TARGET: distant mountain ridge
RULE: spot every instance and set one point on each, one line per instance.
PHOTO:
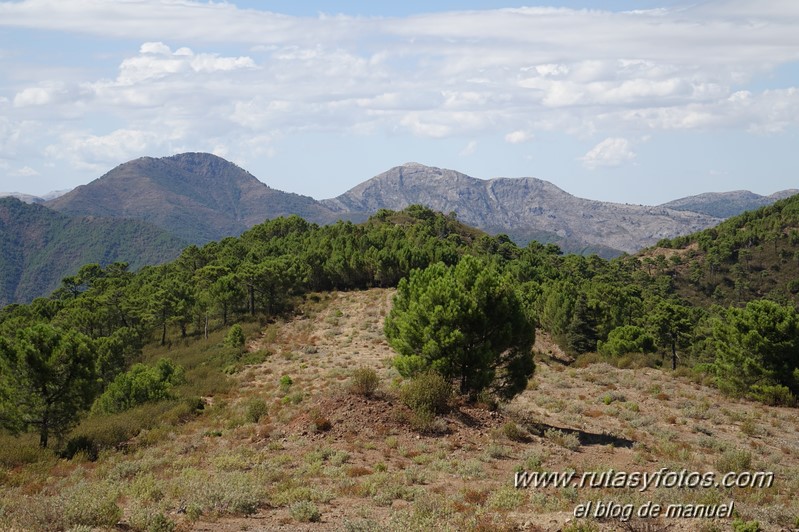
(524, 208)
(727, 204)
(39, 247)
(198, 197)
(30, 198)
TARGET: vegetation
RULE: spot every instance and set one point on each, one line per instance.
(38, 245)
(465, 322)
(364, 382)
(115, 361)
(49, 379)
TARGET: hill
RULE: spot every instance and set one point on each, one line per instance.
(38, 247)
(255, 420)
(524, 208)
(747, 257)
(198, 197)
(259, 456)
(726, 204)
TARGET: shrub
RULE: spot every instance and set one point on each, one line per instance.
(739, 525)
(427, 392)
(91, 505)
(305, 512)
(734, 460)
(256, 409)
(285, 383)
(319, 423)
(140, 384)
(364, 382)
(627, 339)
(773, 395)
(80, 444)
(569, 440)
(513, 432)
(235, 337)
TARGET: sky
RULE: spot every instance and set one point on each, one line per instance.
(638, 101)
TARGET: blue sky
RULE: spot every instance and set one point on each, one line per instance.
(627, 101)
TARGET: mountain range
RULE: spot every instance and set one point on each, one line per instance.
(523, 208)
(198, 197)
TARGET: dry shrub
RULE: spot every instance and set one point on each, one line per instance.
(364, 382)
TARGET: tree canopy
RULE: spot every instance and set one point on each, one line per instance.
(465, 322)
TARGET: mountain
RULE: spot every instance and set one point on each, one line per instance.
(39, 247)
(30, 198)
(523, 208)
(726, 204)
(198, 197)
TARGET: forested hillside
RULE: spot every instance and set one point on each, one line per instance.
(751, 256)
(627, 305)
(115, 358)
(39, 246)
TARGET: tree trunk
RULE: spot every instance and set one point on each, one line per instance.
(673, 356)
(44, 430)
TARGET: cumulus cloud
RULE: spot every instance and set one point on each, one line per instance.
(157, 60)
(511, 73)
(613, 151)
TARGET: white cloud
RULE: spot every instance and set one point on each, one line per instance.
(101, 151)
(613, 151)
(25, 171)
(49, 92)
(226, 74)
(469, 149)
(518, 137)
(156, 60)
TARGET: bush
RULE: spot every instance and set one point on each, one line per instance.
(91, 505)
(734, 460)
(256, 409)
(569, 440)
(739, 525)
(235, 337)
(140, 384)
(364, 382)
(772, 395)
(513, 432)
(627, 339)
(319, 423)
(305, 512)
(80, 444)
(427, 393)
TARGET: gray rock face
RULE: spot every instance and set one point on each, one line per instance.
(524, 208)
